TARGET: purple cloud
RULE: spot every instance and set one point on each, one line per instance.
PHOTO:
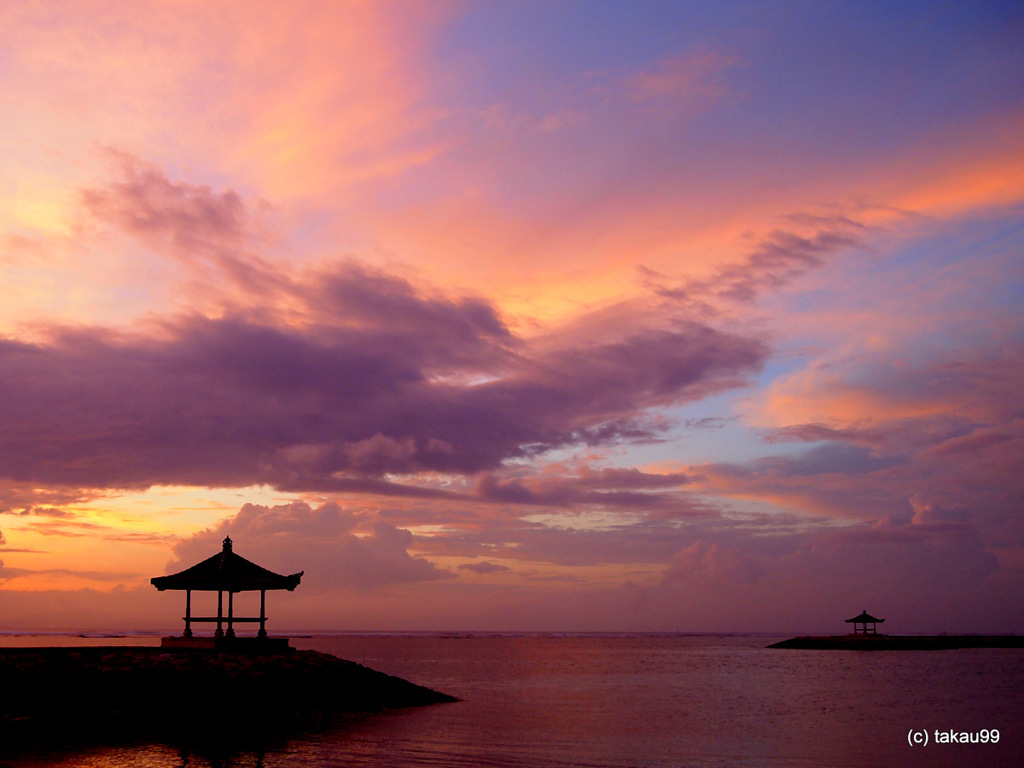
(145, 203)
(950, 470)
(380, 379)
(618, 488)
(772, 263)
(829, 458)
(484, 568)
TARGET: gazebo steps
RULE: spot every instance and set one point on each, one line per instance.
(246, 645)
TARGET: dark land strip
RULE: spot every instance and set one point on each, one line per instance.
(861, 642)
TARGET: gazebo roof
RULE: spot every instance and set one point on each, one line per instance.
(865, 618)
(226, 572)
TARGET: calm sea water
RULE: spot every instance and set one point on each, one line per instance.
(617, 701)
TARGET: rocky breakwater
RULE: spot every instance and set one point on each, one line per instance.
(861, 642)
(74, 685)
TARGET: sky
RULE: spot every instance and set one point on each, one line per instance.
(515, 316)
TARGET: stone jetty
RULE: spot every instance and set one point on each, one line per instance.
(872, 642)
(155, 685)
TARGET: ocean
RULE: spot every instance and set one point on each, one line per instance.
(613, 701)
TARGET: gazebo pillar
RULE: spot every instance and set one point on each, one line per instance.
(188, 613)
(231, 613)
(263, 614)
(220, 613)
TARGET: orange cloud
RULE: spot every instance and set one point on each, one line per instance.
(962, 174)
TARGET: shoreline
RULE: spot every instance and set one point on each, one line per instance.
(899, 642)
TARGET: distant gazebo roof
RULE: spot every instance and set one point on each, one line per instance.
(863, 620)
(231, 573)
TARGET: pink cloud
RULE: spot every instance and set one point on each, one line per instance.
(700, 563)
(337, 548)
(688, 78)
(187, 217)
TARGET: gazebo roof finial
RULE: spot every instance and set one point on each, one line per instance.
(227, 543)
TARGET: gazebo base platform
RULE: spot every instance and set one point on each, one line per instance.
(248, 645)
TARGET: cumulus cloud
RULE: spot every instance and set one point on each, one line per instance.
(918, 555)
(701, 563)
(335, 547)
(815, 581)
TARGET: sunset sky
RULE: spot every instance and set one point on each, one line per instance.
(515, 315)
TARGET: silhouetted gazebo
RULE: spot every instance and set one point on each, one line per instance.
(231, 573)
(860, 624)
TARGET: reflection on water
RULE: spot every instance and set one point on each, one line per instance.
(200, 745)
(63, 640)
(613, 702)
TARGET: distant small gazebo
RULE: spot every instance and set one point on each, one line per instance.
(231, 573)
(860, 624)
